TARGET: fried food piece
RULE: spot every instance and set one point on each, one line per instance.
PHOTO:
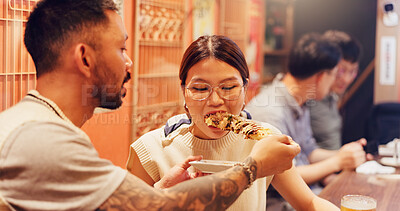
(237, 124)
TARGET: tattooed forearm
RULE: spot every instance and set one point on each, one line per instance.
(253, 166)
(214, 192)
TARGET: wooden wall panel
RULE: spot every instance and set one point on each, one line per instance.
(159, 60)
(17, 72)
(160, 47)
(387, 92)
(237, 17)
(158, 90)
(234, 21)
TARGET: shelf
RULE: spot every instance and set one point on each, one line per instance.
(283, 52)
(281, 1)
(278, 37)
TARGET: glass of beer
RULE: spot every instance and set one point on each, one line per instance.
(357, 203)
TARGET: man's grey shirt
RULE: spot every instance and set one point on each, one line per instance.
(326, 122)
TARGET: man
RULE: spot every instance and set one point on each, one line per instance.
(48, 163)
(326, 122)
(312, 70)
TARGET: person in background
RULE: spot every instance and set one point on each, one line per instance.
(214, 78)
(312, 70)
(326, 122)
(48, 163)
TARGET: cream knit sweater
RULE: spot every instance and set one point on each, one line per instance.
(158, 154)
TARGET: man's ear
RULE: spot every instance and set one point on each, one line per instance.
(84, 57)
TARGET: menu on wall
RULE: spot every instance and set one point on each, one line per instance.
(387, 71)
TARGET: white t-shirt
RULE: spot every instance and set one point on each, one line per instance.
(47, 163)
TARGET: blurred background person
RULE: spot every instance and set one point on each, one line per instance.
(313, 65)
(326, 121)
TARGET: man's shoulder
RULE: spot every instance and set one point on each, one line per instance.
(46, 134)
(265, 104)
(266, 90)
(323, 109)
(272, 94)
(50, 151)
(44, 143)
(25, 110)
(29, 114)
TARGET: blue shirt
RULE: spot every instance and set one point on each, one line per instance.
(276, 106)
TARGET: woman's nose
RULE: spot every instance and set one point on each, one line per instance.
(214, 98)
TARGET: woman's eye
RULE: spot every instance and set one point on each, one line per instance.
(229, 87)
(200, 88)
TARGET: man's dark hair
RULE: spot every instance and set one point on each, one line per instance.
(54, 24)
(351, 48)
(312, 54)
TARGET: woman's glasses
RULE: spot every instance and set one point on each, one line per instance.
(227, 91)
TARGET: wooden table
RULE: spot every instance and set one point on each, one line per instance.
(385, 191)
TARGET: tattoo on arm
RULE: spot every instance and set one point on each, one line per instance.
(213, 192)
(253, 166)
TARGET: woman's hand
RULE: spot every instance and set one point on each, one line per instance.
(178, 174)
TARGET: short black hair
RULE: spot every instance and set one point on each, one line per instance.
(312, 54)
(53, 24)
(350, 46)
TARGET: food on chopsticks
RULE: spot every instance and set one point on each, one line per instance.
(237, 124)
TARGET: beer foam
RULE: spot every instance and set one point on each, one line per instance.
(359, 203)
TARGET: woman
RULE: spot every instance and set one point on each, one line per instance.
(214, 77)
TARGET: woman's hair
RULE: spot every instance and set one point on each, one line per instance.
(217, 47)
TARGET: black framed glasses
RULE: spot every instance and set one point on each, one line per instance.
(227, 91)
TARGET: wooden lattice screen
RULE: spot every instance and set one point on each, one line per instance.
(160, 47)
(17, 72)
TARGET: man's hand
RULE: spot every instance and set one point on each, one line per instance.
(178, 174)
(352, 155)
(274, 155)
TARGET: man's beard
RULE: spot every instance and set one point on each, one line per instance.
(110, 100)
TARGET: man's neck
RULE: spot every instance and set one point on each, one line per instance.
(301, 90)
(68, 96)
